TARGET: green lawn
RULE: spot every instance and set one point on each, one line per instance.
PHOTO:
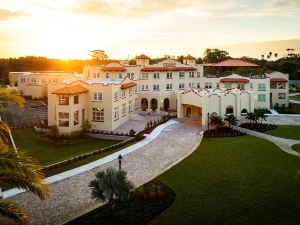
(296, 147)
(46, 154)
(236, 181)
(286, 131)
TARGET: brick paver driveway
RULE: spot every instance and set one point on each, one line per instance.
(71, 197)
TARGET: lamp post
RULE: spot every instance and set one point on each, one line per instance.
(207, 121)
(120, 162)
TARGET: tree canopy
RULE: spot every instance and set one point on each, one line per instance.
(215, 55)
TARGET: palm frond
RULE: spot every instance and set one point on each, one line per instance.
(11, 212)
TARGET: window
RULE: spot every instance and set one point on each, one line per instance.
(130, 107)
(156, 75)
(241, 86)
(191, 85)
(97, 96)
(132, 76)
(120, 76)
(261, 87)
(123, 94)
(63, 100)
(144, 76)
(181, 86)
(145, 87)
(181, 74)
(130, 91)
(135, 89)
(281, 86)
(198, 85)
(281, 95)
(261, 97)
(191, 74)
(227, 86)
(135, 103)
(116, 96)
(198, 74)
(123, 109)
(218, 85)
(116, 113)
(169, 87)
(63, 119)
(76, 118)
(98, 114)
(169, 75)
(273, 85)
(107, 75)
(251, 86)
(76, 99)
(96, 75)
(208, 85)
(44, 81)
(155, 87)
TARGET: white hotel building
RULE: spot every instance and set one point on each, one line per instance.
(112, 94)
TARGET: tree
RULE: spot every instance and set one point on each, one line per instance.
(215, 55)
(98, 55)
(86, 126)
(276, 55)
(261, 116)
(19, 170)
(262, 56)
(252, 117)
(217, 121)
(111, 186)
(10, 96)
(231, 119)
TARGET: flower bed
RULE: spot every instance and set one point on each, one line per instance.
(222, 131)
(259, 127)
(144, 204)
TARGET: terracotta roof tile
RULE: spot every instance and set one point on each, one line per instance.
(113, 69)
(149, 69)
(128, 85)
(234, 80)
(233, 63)
(142, 56)
(278, 80)
(71, 90)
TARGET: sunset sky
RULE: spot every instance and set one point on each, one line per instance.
(71, 28)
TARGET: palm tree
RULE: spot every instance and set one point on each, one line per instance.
(217, 121)
(251, 117)
(19, 170)
(262, 56)
(111, 185)
(276, 55)
(231, 119)
(261, 116)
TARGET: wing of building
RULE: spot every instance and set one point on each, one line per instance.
(109, 95)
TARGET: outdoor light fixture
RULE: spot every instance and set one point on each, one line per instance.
(207, 121)
(120, 161)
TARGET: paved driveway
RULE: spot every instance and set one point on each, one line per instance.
(71, 197)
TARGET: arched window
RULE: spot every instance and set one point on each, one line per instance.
(144, 104)
(153, 104)
(244, 112)
(229, 109)
(166, 104)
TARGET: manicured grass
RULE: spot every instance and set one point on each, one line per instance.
(286, 131)
(296, 147)
(47, 154)
(237, 181)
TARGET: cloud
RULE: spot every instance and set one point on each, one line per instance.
(6, 14)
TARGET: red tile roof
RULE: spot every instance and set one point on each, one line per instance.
(234, 80)
(233, 63)
(121, 69)
(70, 90)
(128, 85)
(189, 57)
(149, 69)
(278, 80)
(142, 56)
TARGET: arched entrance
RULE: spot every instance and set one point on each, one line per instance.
(229, 109)
(154, 104)
(166, 104)
(144, 104)
(188, 112)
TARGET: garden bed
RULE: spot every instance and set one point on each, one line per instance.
(259, 127)
(223, 131)
(144, 204)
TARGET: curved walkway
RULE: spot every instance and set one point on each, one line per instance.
(283, 143)
(70, 197)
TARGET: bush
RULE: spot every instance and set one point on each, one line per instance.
(222, 131)
(259, 127)
(132, 132)
(86, 126)
(53, 132)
